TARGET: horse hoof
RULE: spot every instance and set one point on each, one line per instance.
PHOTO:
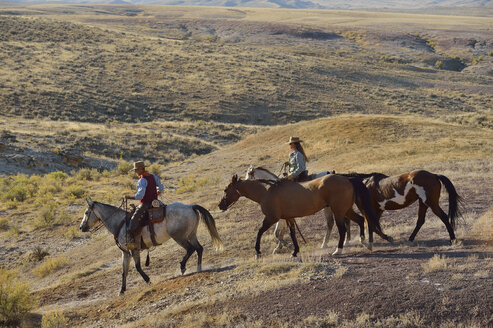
(338, 251)
(370, 246)
(390, 239)
(121, 293)
(455, 242)
(258, 256)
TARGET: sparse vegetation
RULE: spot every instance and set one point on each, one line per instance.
(15, 298)
(49, 266)
(182, 89)
(54, 320)
(437, 263)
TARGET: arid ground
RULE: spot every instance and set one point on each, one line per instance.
(203, 93)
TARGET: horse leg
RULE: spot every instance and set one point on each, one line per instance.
(329, 217)
(348, 231)
(189, 248)
(355, 217)
(444, 217)
(279, 233)
(125, 266)
(421, 219)
(342, 234)
(136, 257)
(266, 224)
(292, 231)
(195, 243)
(378, 213)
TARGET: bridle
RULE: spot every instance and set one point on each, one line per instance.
(93, 212)
(239, 194)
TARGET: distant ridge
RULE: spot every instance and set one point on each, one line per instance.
(293, 4)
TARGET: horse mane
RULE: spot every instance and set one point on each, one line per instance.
(265, 170)
(361, 176)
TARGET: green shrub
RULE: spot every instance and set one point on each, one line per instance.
(192, 183)
(18, 188)
(72, 233)
(76, 191)
(51, 265)
(57, 175)
(4, 224)
(155, 168)
(439, 64)
(15, 298)
(46, 216)
(88, 175)
(54, 320)
(123, 168)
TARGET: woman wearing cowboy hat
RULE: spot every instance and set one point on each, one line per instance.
(297, 161)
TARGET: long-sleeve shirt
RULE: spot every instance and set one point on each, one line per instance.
(142, 185)
(296, 164)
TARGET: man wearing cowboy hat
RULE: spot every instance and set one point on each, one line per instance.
(148, 189)
(297, 161)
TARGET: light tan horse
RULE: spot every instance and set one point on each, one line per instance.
(288, 200)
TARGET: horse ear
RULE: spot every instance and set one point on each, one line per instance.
(89, 201)
(235, 178)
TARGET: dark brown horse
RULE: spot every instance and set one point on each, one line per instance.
(288, 200)
(399, 191)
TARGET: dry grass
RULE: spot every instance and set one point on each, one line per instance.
(483, 228)
(187, 63)
(436, 263)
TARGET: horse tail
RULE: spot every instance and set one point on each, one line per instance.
(211, 226)
(454, 200)
(363, 201)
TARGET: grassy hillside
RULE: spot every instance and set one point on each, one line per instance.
(130, 64)
(79, 281)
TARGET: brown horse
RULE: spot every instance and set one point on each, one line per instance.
(400, 191)
(288, 200)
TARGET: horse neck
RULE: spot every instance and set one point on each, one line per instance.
(262, 173)
(251, 189)
(110, 215)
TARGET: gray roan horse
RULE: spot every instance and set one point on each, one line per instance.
(180, 224)
(261, 173)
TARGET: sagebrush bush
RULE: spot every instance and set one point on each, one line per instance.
(50, 266)
(75, 191)
(123, 167)
(191, 183)
(54, 320)
(4, 224)
(15, 298)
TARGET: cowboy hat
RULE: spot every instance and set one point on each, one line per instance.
(138, 165)
(294, 140)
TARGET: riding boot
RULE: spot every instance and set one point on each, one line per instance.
(133, 228)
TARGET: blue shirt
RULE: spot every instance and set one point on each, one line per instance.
(142, 185)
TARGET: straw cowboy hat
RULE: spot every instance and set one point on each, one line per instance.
(294, 140)
(138, 165)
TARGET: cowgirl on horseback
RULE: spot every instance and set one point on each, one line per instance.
(297, 161)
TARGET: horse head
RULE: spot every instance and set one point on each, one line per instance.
(231, 194)
(250, 173)
(90, 218)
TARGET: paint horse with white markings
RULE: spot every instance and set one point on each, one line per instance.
(180, 224)
(400, 191)
(261, 173)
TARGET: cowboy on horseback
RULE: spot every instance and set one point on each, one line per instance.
(149, 187)
(297, 161)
